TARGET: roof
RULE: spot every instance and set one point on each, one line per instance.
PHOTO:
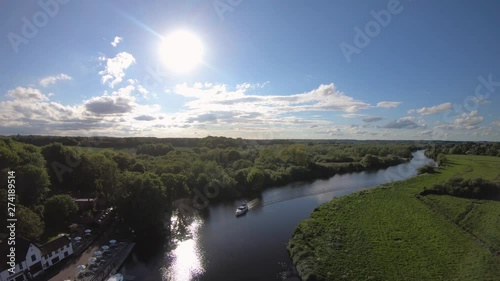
(55, 244)
(22, 246)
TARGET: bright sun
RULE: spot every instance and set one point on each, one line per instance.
(181, 51)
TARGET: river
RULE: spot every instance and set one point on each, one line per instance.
(217, 246)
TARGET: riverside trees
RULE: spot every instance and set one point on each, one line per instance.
(164, 170)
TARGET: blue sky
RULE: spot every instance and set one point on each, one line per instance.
(270, 69)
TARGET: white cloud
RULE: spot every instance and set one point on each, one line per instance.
(218, 97)
(118, 102)
(145, 117)
(425, 133)
(116, 41)
(115, 68)
(432, 109)
(53, 79)
(30, 111)
(216, 109)
(480, 100)
(388, 104)
(353, 115)
(246, 86)
(26, 94)
(404, 123)
(372, 119)
(465, 121)
(468, 120)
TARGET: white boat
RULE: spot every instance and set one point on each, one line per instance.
(116, 277)
(243, 208)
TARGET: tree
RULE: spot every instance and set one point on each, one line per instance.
(176, 185)
(123, 160)
(143, 202)
(32, 184)
(60, 163)
(233, 155)
(155, 149)
(59, 210)
(429, 169)
(96, 170)
(8, 158)
(370, 161)
(29, 224)
(256, 179)
(138, 167)
(441, 159)
(295, 154)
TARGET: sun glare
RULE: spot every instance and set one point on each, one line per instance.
(181, 51)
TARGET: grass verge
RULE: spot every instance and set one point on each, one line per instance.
(389, 233)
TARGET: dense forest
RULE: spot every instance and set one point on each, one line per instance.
(143, 177)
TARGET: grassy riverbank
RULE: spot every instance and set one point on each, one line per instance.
(392, 233)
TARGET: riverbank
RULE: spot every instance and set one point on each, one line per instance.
(389, 233)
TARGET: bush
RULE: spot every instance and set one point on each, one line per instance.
(59, 210)
(427, 169)
(471, 188)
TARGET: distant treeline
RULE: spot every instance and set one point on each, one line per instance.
(472, 148)
(133, 142)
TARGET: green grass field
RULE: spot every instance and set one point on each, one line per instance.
(389, 233)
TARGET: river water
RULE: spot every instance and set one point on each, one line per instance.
(217, 246)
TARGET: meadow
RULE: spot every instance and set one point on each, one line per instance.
(392, 233)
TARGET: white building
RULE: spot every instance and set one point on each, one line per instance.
(32, 259)
(55, 251)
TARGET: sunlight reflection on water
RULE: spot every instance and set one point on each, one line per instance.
(186, 259)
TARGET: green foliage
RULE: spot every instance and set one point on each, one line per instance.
(370, 161)
(143, 201)
(429, 169)
(441, 159)
(4, 202)
(32, 184)
(467, 148)
(29, 225)
(59, 210)
(476, 188)
(236, 166)
(123, 160)
(176, 185)
(61, 161)
(389, 233)
(96, 175)
(138, 167)
(295, 154)
(155, 149)
(256, 179)
(242, 164)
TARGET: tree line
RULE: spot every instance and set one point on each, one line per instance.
(144, 182)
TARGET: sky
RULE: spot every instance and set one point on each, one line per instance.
(409, 70)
